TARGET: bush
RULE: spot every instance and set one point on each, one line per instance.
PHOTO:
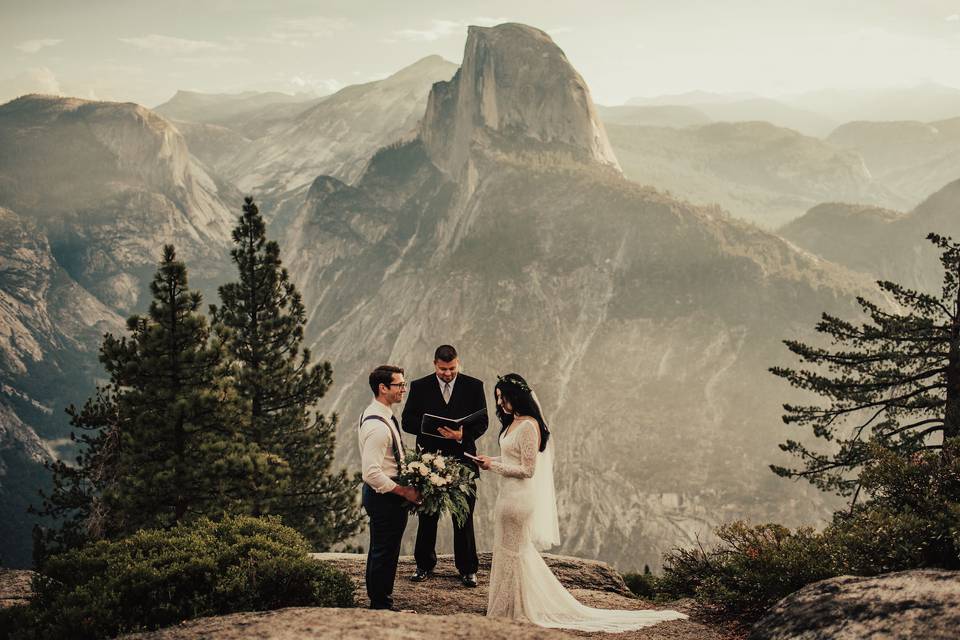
(912, 517)
(160, 577)
(643, 585)
(752, 568)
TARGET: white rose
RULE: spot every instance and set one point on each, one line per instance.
(424, 471)
(435, 480)
(427, 457)
(440, 464)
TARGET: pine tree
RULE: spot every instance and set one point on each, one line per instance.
(161, 442)
(261, 322)
(892, 383)
(74, 501)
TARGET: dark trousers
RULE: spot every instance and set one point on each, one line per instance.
(387, 513)
(464, 542)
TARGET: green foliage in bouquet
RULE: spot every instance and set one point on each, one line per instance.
(158, 577)
(444, 483)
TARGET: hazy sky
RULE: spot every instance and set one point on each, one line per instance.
(145, 51)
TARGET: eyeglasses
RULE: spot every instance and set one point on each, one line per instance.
(402, 385)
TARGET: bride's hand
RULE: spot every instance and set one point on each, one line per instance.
(484, 462)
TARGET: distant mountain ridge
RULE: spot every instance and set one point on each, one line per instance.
(756, 171)
(913, 159)
(118, 181)
(884, 244)
(746, 107)
(337, 135)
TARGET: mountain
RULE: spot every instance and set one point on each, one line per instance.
(912, 159)
(691, 98)
(747, 108)
(884, 244)
(339, 134)
(50, 328)
(109, 183)
(250, 113)
(212, 144)
(646, 324)
(925, 102)
(755, 170)
(652, 116)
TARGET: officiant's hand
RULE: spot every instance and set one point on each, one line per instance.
(450, 434)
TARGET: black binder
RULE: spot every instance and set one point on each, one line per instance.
(430, 425)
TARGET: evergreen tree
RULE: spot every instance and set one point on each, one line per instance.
(261, 322)
(161, 442)
(74, 501)
(891, 384)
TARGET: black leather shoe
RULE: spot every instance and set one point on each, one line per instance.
(468, 579)
(420, 575)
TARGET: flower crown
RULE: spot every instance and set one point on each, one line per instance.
(517, 382)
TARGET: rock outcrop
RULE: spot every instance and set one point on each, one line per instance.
(515, 87)
(908, 604)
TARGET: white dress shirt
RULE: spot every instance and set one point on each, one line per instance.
(378, 465)
(442, 383)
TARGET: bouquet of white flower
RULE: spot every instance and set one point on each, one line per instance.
(444, 483)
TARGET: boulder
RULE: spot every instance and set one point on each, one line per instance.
(907, 604)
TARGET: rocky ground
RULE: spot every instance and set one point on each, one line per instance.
(14, 587)
(438, 608)
(906, 604)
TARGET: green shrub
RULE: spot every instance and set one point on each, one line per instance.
(752, 568)
(911, 519)
(156, 578)
(643, 585)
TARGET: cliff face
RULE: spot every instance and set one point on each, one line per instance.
(646, 324)
(515, 85)
(109, 183)
(49, 333)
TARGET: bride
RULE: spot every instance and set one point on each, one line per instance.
(522, 587)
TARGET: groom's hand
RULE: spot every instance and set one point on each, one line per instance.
(408, 493)
(450, 434)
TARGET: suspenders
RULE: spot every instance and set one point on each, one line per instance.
(393, 438)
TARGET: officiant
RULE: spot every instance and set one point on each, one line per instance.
(450, 394)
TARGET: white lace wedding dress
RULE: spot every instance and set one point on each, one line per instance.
(522, 587)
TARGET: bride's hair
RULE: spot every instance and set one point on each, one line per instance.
(515, 390)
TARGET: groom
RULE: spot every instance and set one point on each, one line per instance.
(381, 450)
(450, 394)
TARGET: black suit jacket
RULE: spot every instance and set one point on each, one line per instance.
(425, 396)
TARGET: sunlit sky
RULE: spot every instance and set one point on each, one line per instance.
(145, 51)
